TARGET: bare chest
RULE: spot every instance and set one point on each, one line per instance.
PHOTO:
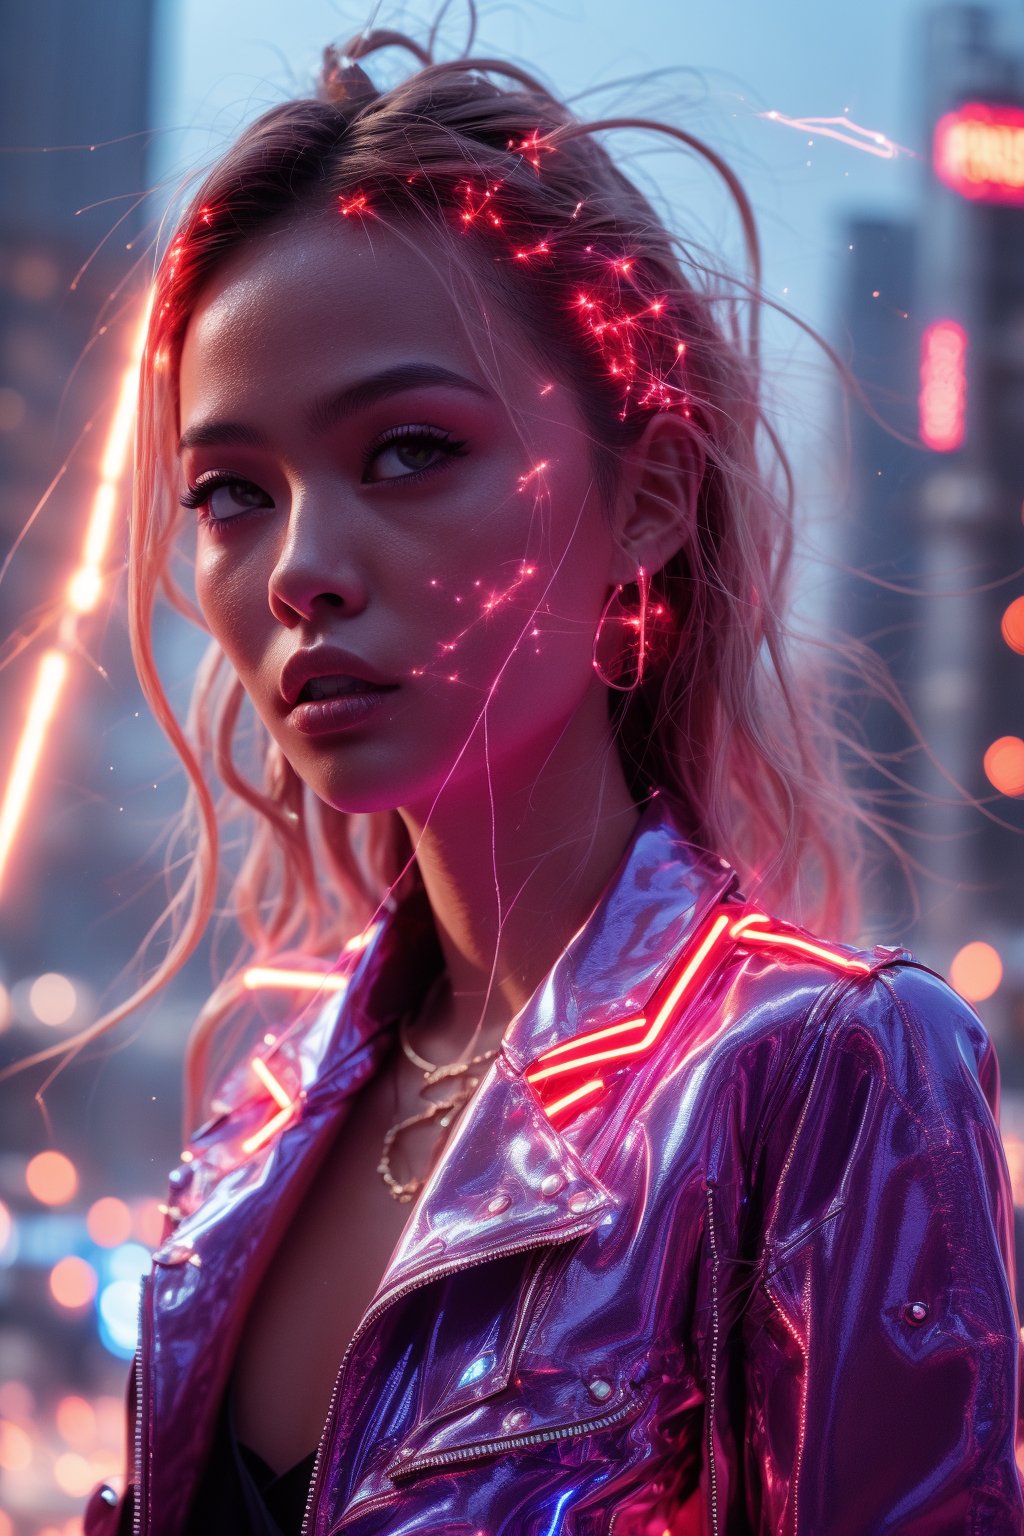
(326, 1270)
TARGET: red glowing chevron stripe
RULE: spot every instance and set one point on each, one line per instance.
(555, 1075)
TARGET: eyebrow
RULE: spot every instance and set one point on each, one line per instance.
(324, 411)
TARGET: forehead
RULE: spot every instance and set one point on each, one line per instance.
(335, 291)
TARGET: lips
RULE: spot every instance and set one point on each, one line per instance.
(329, 662)
(332, 687)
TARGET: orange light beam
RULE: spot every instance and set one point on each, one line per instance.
(83, 593)
(309, 981)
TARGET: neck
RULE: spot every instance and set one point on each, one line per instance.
(513, 866)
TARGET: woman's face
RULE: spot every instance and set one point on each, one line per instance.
(409, 528)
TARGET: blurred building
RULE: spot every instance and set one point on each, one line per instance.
(75, 87)
(932, 317)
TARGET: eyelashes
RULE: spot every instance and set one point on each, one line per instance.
(197, 496)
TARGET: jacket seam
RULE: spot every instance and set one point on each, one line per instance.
(926, 1113)
(825, 1005)
(937, 1164)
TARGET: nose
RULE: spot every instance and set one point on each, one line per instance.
(316, 566)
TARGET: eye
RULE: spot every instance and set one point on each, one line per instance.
(413, 447)
(200, 496)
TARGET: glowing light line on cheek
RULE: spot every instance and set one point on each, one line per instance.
(493, 600)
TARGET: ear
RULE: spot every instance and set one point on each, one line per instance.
(656, 502)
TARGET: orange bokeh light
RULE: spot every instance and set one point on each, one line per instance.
(15, 1447)
(76, 1422)
(1004, 765)
(148, 1222)
(52, 1178)
(1013, 625)
(72, 1282)
(109, 1222)
(976, 971)
(73, 1474)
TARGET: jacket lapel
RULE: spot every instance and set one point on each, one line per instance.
(508, 1178)
(239, 1199)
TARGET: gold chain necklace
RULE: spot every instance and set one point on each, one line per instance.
(448, 1109)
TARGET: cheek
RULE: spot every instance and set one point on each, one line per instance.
(227, 599)
(524, 635)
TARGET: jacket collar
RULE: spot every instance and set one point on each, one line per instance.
(650, 907)
(507, 1179)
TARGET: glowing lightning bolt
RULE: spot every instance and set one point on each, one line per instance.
(83, 593)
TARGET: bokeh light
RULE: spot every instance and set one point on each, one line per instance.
(109, 1222)
(73, 1282)
(76, 1421)
(51, 1178)
(976, 971)
(15, 1447)
(147, 1222)
(73, 1474)
(119, 1317)
(52, 999)
(6, 1226)
(130, 1261)
(1004, 765)
(1013, 625)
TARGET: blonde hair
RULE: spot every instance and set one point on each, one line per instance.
(745, 741)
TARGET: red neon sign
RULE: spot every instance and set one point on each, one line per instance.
(942, 401)
(978, 151)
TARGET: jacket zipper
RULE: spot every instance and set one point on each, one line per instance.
(714, 1363)
(137, 1495)
(513, 1442)
(382, 1305)
(483, 1448)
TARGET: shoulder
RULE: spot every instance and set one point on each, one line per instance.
(810, 1026)
(890, 1105)
(922, 1033)
(815, 995)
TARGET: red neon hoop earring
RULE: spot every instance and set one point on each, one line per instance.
(637, 623)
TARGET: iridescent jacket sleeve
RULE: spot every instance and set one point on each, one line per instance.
(879, 1389)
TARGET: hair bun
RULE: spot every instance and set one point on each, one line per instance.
(343, 82)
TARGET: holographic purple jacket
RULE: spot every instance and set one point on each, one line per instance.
(722, 1244)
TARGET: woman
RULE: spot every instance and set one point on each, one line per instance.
(707, 1224)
